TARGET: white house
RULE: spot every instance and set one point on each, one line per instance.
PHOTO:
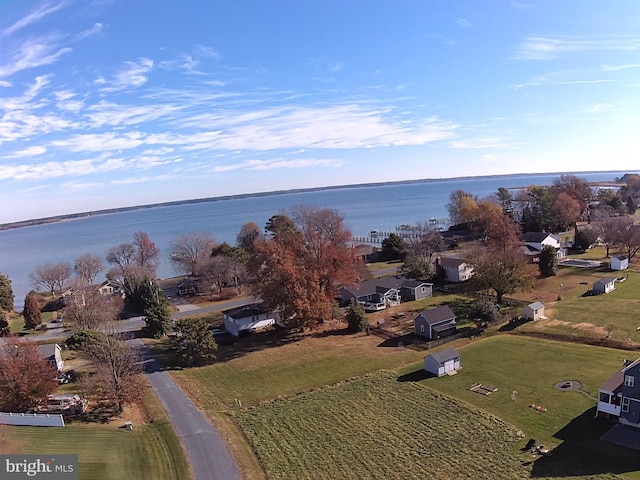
(539, 240)
(533, 311)
(52, 353)
(604, 285)
(444, 362)
(619, 261)
(249, 318)
(455, 269)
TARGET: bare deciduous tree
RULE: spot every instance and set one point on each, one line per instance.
(190, 252)
(118, 376)
(90, 310)
(87, 267)
(52, 276)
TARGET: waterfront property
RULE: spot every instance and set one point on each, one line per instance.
(378, 294)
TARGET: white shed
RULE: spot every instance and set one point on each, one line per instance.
(533, 311)
(444, 362)
(604, 285)
(619, 261)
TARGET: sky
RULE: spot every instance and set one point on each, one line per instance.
(113, 103)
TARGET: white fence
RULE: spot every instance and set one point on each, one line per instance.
(32, 419)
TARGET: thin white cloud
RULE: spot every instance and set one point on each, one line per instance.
(463, 22)
(479, 142)
(4, 83)
(95, 30)
(546, 48)
(278, 164)
(581, 82)
(207, 52)
(615, 68)
(133, 75)
(28, 152)
(42, 11)
(34, 52)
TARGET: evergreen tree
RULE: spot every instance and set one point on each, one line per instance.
(548, 261)
(394, 247)
(31, 313)
(6, 294)
(357, 318)
(194, 340)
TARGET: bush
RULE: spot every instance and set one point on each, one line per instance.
(357, 318)
(82, 338)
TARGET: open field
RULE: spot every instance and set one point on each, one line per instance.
(376, 427)
(106, 452)
(525, 371)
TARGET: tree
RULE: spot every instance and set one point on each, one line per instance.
(118, 376)
(133, 262)
(234, 261)
(51, 276)
(393, 248)
(25, 377)
(585, 238)
(149, 299)
(462, 207)
(87, 267)
(280, 223)
(505, 200)
(611, 231)
(502, 233)
(415, 267)
(548, 261)
(628, 240)
(247, 236)
(356, 318)
(421, 247)
(31, 312)
(5, 328)
(190, 252)
(298, 269)
(90, 310)
(483, 313)
(194, 340)
(6, 294)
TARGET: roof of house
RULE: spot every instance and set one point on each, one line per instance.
(250, 310)
(604, 281)
(437, 315)
(48, 350)
(452, 262)
(619, 256)
(614, 384)
(444, 355)
(539, 237)
(536, 305)
(380, 285)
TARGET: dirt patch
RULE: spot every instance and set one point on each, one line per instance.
(590, 328)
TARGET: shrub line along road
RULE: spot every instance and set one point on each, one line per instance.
(208, 454)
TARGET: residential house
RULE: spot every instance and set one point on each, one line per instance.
(435, 323)
(444, 362)
(534, 242)
(52, 353)
(108, 288)
(619, 261)
(620, 395)
(368, 253)
(188, 287)
(385, 292)
(455, 269)
(533, 311)
(249, 318)
(604, 285)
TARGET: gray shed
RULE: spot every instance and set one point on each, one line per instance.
(444, 362)
(533, 311)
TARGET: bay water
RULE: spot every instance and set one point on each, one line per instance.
(365, 208)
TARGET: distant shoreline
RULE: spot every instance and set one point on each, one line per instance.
(74, 216)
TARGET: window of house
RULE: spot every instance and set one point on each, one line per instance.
(625, 404)
(424, 289)
(605, 397)
(629, 380)
(422, 328)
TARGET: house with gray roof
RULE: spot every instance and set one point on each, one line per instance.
(533, 311)
(249, 318)
(435, 323)
(52, 353)
(620, 395)
(443, 362)
(604, 285)
(385, 292)
(455, 269)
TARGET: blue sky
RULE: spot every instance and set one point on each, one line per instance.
(109, 103)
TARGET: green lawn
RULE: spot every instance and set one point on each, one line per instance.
(106, 452)
(525, 372)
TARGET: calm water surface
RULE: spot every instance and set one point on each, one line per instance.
(365, 208)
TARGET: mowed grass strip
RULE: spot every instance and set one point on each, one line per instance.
(376, 427)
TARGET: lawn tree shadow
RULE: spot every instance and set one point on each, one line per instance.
(582, 453)
(513, 324)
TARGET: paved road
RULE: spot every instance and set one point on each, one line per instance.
(205, 449)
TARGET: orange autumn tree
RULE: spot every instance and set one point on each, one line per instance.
(301, 264)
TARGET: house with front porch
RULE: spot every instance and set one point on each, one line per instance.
(249, 318)
(620, 395)
(385, 292)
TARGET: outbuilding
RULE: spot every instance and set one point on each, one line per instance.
(604, 285)
(444, 362)
(533, 311)
(619, 261)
